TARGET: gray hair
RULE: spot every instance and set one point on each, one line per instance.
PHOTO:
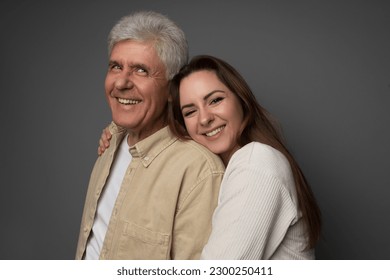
(170, 42)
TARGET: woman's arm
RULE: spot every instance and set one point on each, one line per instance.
(104, 141)
(254, 212)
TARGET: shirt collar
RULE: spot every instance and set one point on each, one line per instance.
(149, 148)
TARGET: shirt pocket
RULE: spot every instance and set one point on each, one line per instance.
(137, 242)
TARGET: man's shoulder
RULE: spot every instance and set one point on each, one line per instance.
(192, 152)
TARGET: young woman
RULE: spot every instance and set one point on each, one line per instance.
(266, 209)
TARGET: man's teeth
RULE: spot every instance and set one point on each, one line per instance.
(128, 101)
(215, 131)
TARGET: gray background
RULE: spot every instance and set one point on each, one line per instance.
(321, 67)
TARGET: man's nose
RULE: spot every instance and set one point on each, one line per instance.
(124, 81)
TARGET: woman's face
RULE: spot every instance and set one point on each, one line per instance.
(212, 113)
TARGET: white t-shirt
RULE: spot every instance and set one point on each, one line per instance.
(107, 201)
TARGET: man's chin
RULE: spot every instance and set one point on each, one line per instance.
(122, 123)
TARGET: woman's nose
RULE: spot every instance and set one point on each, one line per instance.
(205, 117)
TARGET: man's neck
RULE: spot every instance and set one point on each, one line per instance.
(136, 136)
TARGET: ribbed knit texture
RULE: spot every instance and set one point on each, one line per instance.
(257, 215)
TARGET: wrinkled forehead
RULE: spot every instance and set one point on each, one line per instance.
(137, 52)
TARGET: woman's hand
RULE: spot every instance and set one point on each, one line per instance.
(104, 141)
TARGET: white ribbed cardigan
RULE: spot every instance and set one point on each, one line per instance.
(257, 216)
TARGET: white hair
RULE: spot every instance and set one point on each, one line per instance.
(169, 40)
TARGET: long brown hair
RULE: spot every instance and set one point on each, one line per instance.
(259, 127)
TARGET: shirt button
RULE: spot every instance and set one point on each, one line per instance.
(146, 158)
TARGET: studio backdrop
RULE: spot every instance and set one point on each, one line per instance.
(322, 68)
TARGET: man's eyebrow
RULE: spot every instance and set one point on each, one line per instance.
(134, 65)
(207, 96)
(113, 62)
(139, 65)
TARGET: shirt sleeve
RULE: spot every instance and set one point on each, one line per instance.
(254, 213)
(193, 218)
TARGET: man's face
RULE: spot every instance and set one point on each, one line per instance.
(136, 88)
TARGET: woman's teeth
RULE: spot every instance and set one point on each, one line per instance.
(215, 131)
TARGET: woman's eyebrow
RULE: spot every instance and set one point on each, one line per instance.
(211, 93)
(207, 96)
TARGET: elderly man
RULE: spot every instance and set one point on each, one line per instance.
(150, 195)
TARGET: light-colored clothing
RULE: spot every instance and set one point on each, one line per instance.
(107, 201)
(257, 215)
(166, 201)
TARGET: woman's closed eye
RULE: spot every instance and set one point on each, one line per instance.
(188, 113)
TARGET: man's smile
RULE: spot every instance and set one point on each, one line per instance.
(125, 101)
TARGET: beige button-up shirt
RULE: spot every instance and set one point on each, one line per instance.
(166, 201)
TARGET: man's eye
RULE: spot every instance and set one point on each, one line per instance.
(115, 67)
(141, 71)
